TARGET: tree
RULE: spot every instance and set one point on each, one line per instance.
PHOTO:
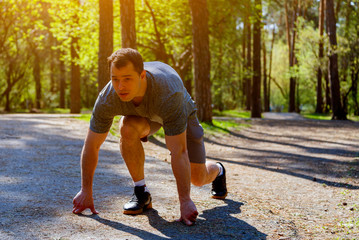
(319, 107)
(291, 36)
(226, 63)
(266, 88)
(256, 88)
(37, 78)
(349, 56)
(75, 91)
(270, 68)
(105, 41)
(15, 53)
(128, 24)
(201, 59)
(248, 78)
(62, 83)
(164, 34)
(159, 48)
(354, 54)
(337, 107)
(14, 73)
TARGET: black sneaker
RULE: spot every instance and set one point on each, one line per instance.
(140, 201)
(219, 186)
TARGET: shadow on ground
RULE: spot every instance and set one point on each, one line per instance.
(303, 156)
(215, 223)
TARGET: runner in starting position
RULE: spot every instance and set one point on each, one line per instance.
(149, 95)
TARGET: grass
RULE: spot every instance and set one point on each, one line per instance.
(85, 117)
(232, 113)
(317, 116)
(114, 128)
(324, 116)
(354, 118)
(223, 127)
(217, 126)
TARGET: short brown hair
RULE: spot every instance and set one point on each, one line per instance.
(123, 56)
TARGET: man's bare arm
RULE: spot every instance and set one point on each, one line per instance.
(182, 171)
(89, 159)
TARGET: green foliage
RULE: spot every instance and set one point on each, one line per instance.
(73, 20)
(20, 30)
(225, 39)
(306, 69)
(173, 25)
(47, 27)
(280, 75)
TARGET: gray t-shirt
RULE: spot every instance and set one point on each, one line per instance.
(166, 101)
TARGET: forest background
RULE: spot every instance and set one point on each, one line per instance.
(261, 55)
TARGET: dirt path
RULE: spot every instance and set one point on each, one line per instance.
(287, 180)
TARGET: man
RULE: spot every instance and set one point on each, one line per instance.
(148, 95)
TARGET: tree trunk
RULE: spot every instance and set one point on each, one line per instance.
(270, 65)
(37, 77)
(256, 108)
(337, 107)
(248, 80)
(53, 61)
(75, 91)
(243, 65)
(265, 83)
(7, 91)
(355, 78)
(328, 98)
(291, 46)
(75, 105)
(62, 84)
(183, 67)
(7, 102)
(105, 42)
(159, 48)
(13, 75)
(319, 108)
(201, 56)
(128, 26)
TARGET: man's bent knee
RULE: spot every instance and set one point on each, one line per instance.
(133, 127)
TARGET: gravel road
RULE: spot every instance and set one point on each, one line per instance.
(287, 180)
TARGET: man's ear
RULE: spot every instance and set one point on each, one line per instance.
(143, 74)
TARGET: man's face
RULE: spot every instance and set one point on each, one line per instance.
(126, 82)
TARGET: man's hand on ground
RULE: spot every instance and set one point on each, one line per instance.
(82, 201)
(188, 213)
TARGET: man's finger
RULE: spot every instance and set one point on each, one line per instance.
(92, 208)
(78, 210)
(187, 222)
(193, 216)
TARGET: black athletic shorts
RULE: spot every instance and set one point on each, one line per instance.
(195, 144)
